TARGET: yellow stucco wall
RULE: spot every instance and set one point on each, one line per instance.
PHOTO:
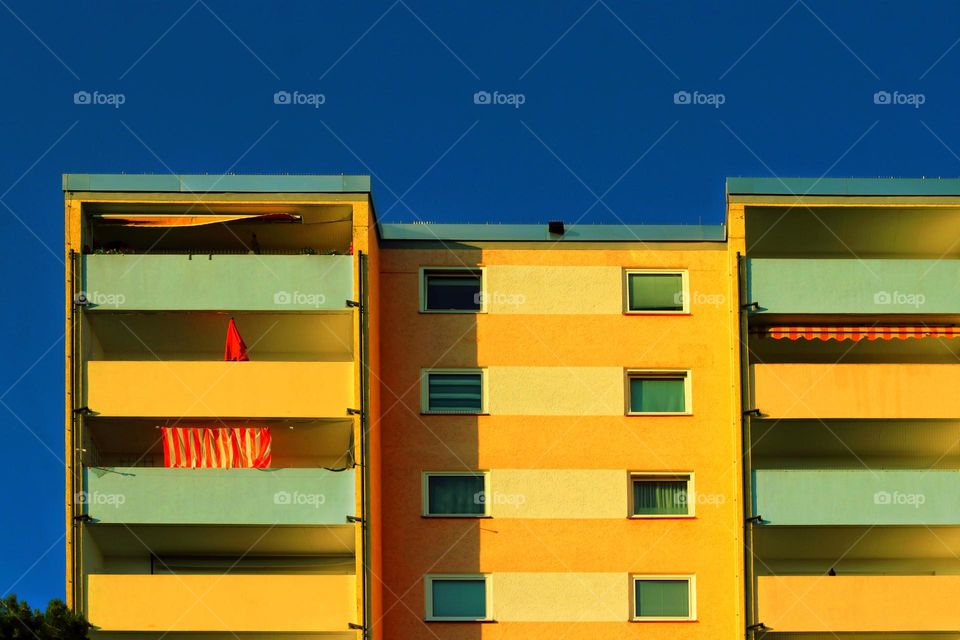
(556, 342)
(857, 390)
(841, 604)
(223, 389)
(234, 603)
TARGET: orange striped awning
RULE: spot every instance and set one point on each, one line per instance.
(858, 333)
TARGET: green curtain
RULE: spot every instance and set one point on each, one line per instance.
(455, 495)
(455, 392)
(660, 395)
(662, 598)
(660, 497)
(459, 599)
(655, 291)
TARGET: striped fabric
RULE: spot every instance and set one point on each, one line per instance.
(858, 333)
(206, 448)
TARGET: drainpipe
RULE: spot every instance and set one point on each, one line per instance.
(746, 417)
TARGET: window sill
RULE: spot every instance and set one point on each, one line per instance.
(657, 313)
(663, 620)
(451, 413)
(691, 516)
(654, 414)
(463, 312)
(432, 620)
(428, 516)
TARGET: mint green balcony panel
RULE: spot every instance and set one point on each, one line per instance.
(857, 497)
(157, 495)
(851, 286)
(136, 282)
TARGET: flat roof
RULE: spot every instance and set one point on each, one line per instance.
(215, 183)
(424, 231)
(844, 186)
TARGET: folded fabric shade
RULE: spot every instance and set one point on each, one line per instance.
(216, 448)
(143, 220)
(857, 332)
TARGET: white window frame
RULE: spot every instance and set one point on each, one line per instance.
(423, 289)
(687, 376)
(691, 595)
(633, 476)
(425, 494)
(425, 391)
(685, 285)
(428, 595)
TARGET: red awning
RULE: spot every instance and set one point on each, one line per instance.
(858, 333)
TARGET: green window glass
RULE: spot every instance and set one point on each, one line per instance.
(660, 497)
(459, 598)
(662, 598)
(455, 495)
(455, 392)
(658, 394)
(452, 290)
(655, 291)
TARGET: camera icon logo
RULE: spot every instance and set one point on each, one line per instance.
(681, 97)
(882, 97)
(882, 497)
(482, 97)
(882, 297)
(282, 297)
(281, 497)
(82, 97)
(281, 97)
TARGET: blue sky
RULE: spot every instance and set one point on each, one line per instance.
(588, 128)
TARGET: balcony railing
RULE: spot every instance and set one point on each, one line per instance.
(856, 390)
(864, 604)
(139, 282)
(857, 497)
(158, 495)
(306, 604)
(853, 286)
(223, 389)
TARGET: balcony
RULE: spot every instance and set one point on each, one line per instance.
(859, 604)
(857, 497)
(306, 604)
(222, 389)
(852, 286)
(822, 391)
(144, 282)
(157, 495)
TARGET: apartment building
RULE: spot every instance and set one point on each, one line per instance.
(207, 496)
(849, 331)
(560, 432)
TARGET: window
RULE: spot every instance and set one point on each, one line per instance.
(458, 597)
(661, 495)
(658, 392)
(649, 291)
(451, 290)
(452, 391)
(455, 494)
(664, 598)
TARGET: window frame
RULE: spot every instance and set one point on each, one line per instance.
(425, 494)
(685, 291)
(428, 581)
(633, 476)
(425, 390)
(422, 276)
(687, 376)
(691, 579)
